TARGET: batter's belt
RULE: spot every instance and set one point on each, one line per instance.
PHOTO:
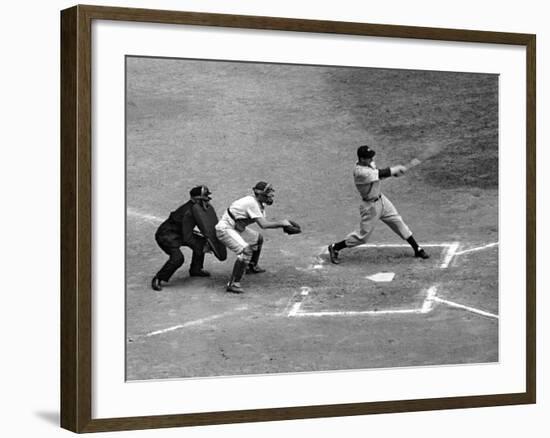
(373, 199)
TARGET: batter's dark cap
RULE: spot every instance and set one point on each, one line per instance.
(365, 152)
(201, 191)
(262, 186)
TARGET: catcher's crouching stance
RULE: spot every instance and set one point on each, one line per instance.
(232, 231)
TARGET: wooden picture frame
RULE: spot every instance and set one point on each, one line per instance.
(76, 218)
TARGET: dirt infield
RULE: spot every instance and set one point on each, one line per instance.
(229, 125)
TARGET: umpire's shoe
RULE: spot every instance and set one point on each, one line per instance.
(254, 269)
(333, 254)
(156, 283)
(422, 254)
(200, 273)
(234, 287)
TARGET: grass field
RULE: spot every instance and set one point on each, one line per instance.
(229, 125)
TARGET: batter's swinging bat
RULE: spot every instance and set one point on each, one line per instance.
(413, 163)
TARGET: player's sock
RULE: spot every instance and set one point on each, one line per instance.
(413, 243)
(340, 245)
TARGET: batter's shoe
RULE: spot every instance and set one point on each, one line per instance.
(156, 284)
(333, 254)
(422, 254)
(234, 287)
(201, 273)
(254, 269)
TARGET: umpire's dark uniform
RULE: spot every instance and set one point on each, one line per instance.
(177, 231)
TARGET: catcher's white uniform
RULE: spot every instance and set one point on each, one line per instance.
(232, 228)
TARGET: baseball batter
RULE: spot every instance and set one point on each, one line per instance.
(374, 206)
(232, 231)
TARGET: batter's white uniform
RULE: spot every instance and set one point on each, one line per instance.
(375, 206)
(233, 231)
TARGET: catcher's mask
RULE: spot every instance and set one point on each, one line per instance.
(201, 193)
(264, 192)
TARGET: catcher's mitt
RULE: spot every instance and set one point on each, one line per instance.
(294, 228)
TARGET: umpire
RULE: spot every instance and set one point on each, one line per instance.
(177, 231)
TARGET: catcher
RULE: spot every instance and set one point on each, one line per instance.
(232, 231)
(375, 206)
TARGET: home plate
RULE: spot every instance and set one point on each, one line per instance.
(381, 276)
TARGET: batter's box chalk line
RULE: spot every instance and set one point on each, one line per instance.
(196, 322)
(132, 212)
(319, 261)
(450, 251)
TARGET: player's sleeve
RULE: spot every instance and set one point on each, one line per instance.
(366, 175)
(384, 173)
(253, 210)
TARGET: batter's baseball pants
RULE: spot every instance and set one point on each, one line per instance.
(371, 212)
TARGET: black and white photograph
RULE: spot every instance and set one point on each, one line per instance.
(275, 219)
(289, 218)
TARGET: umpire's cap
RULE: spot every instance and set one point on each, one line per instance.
(201, 192)
(365, 152)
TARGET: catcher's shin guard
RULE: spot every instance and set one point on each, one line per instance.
(238, 271)
(234, 284)
(256, 253)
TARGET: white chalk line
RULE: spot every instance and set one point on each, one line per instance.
(357, 313)
(147, 217)
(468, 308)
(426, 307)
(449, 254)
(402, 245)
(428, 303)
(319, 261)
(304, 292)
(195, 322)
(479, 248)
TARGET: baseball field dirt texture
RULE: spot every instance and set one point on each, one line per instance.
(231, 124)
